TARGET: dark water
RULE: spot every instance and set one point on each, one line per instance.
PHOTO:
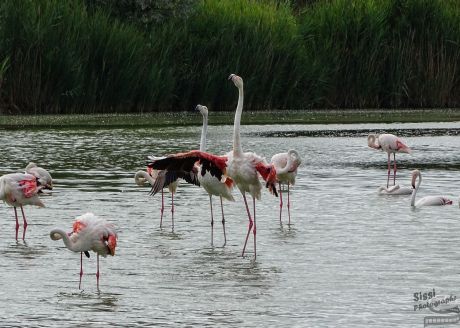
(351, 258)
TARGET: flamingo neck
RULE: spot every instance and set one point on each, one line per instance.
(371, 141)
(291, 157)
(143, 175)
(56, 233)
(204, 132)
(237, 149)
(414, 192)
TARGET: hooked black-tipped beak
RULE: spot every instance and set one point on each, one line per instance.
(86, 253)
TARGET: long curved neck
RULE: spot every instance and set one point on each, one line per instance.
(287, 167)
(414, 192)
(371, 141)
(65, 237)
(204, 132)
(237, 150)
(144, 175)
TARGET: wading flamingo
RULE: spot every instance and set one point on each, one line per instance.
(44, 179)
(212, 185)
(17, 190)
(428, 200)
(141, 177)
(242, 168)
(390, 144)
(286, 165)
(89, 233)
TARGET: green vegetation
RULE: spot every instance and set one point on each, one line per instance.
(132, 56)
(225, 118)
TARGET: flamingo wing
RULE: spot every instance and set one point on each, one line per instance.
(268, 173)
(184, 163)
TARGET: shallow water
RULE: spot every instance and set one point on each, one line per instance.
(350, 258)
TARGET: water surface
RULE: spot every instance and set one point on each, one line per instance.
(351, 258)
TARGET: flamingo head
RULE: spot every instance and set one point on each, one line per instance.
(371, 141)
(238, 81)
(296, 159)
(202, 109)
(415, 174)
(112, 244)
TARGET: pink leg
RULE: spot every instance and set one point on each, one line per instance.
(17, 223)
(281, 200)
(25, 224)
(212, 221)
(162, 208)
(81, 269)
(97, 273)
(394, 169)
(389, 170)
(255, 228)
(250, 224)
(172, 210)
(223, 221)
(289, 205)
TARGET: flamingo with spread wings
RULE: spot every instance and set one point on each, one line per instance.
(242, 167)
(89, 233)
(17, 190)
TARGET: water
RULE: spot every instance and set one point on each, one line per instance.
(351, 258)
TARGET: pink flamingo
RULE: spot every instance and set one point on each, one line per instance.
(286, 165)
(89, 233)
(242, 168)
(151, 176)
(17, 190)
(390, 144)
(428, 200)
(44, 179)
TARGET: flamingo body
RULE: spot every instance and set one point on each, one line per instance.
(396, 190)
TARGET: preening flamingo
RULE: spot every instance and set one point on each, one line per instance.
(212, 185)
(395, 190)
(44, 179)
(141, 177)
(242, 168)
(286, 165)
(89, 233)
(17, 190)
(428, 200)
(390, 144)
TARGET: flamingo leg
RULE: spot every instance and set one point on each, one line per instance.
(25, 224)
(223, 222)
(97, 273)
(17, 223)
(281, 200)
(81, 269)
(250, 223)
(162, 208)
(389, 170)
(289, 205)
(255, 228)
(212, 221)
(394, 169)
(172, 210)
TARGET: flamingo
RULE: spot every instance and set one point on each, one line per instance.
(141, 177)
(89, 233)
(395, 190)
(44, 179)
(242, 168)
(211, 184)
(390, 144)
(428, 200)
(17, 190)
(286, 165)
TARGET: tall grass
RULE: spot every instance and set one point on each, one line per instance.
(58, 56)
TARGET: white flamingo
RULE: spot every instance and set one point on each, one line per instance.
(243, 168)
(286, 165)
(89, 233)
(213, 185)
(395, 190)
(428, 200)
(17, 190)
(390, 144)
(142, 177)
